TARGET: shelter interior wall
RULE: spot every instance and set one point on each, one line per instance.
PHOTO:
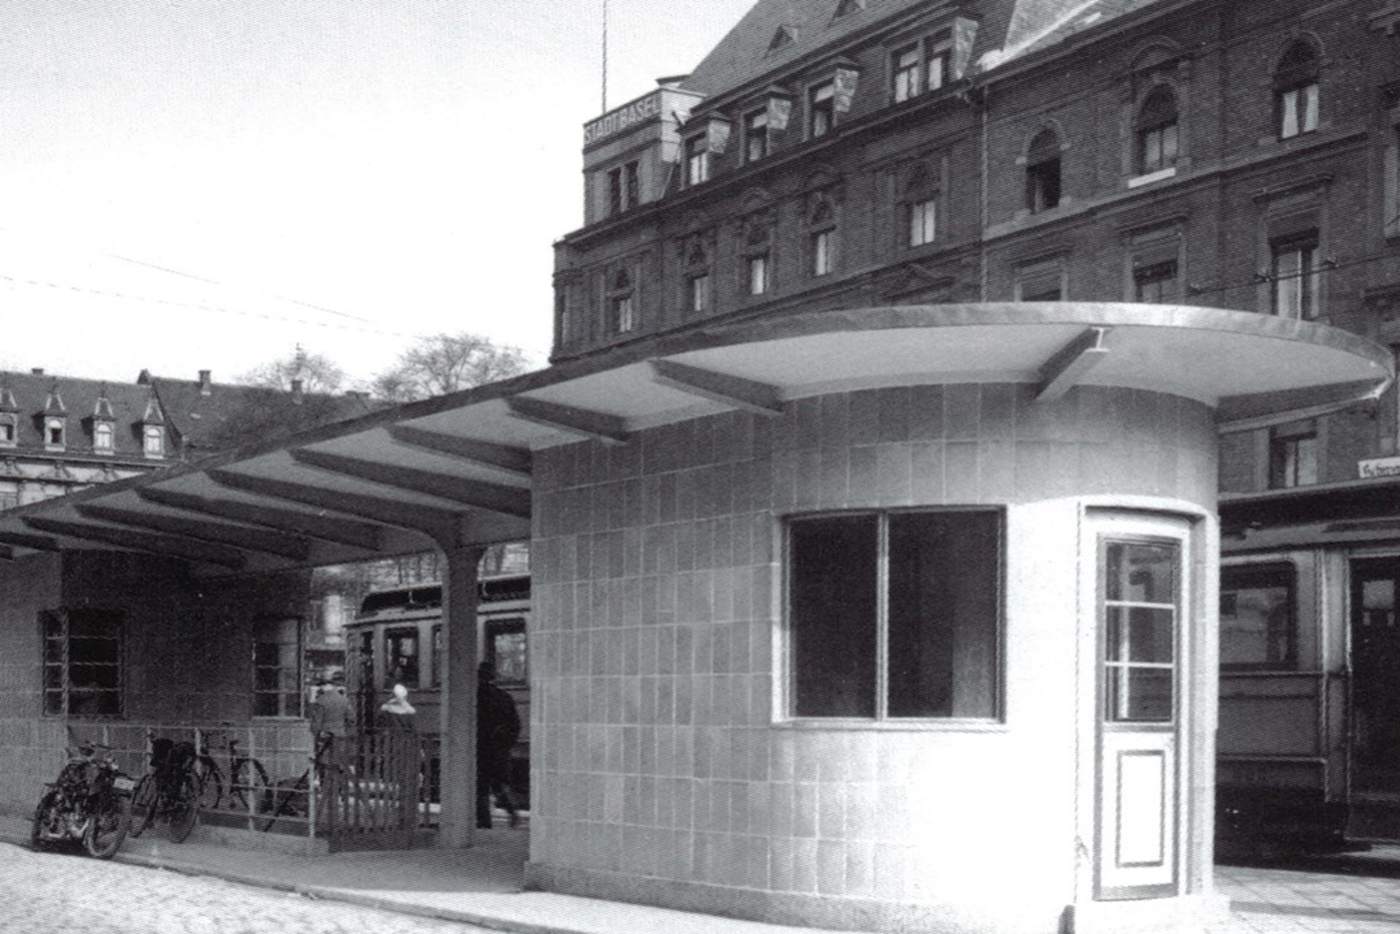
(187, 657)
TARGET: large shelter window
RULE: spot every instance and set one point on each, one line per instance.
(1257, 617)
(895, 615)
(277, 667)
(82, 662)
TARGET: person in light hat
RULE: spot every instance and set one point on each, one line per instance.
(397, 713)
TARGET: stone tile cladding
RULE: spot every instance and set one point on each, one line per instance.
(656, 601)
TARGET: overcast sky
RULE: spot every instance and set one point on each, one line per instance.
(192, 184)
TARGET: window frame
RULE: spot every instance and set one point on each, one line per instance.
(624, 187)
(153, 441)
(758, 273)
(1286, 456)
(1303, 285)
(757, 135)
(1286, 570)
(821, 108)
(621, 302)
(392, 636)
(1149, 274)
(286, 688)
(921, 227)
(930, 71)
(60, 668)
(785, 655)
(9, 429)
(1153, 127)
(697, 160)
(55, 432)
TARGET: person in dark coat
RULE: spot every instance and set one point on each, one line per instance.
(497, 729)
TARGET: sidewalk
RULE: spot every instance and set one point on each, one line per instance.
(482, 886)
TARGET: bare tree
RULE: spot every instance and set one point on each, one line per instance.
(316, 373)
(446, 363)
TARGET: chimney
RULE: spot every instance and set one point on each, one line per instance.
(37, 371)
(297, 394)
(206, 383)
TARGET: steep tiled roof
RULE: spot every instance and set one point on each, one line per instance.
(31, 392)
(204, 420)
(744, 54)
(1009, 28)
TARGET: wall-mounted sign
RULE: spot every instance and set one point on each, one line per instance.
(615, 121)
(1379, 467)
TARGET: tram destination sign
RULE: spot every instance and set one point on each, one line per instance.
(1379, 467)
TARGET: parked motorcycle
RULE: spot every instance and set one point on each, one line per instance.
(90, 802)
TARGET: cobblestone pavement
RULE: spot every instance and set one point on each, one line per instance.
(59, 893)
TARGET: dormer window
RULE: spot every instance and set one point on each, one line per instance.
(102, 437)
(9, 430)
(821, 109)
(54, 432)
(756, 135)
(153, 441)
(921, 67)
(697, 160)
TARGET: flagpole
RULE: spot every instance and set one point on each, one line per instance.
(605, 56)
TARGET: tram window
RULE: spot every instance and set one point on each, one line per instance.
(1257, 617)
(925, 584)
(505, 649)
(401, 658)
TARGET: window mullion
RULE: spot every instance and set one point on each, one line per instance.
(882, 617)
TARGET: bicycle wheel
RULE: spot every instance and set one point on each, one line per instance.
(108, 826)
(251, 787)
(184, 809)
(143, 805)
(211, 783)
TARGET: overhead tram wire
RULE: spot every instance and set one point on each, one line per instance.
(218, 309)
(1328, 265)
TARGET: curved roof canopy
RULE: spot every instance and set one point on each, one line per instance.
(456, 469)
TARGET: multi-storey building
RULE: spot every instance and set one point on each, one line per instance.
(847, 154)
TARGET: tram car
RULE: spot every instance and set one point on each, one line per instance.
(1309, 739)
(396, 638)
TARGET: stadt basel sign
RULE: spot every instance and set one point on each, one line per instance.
(643, 108)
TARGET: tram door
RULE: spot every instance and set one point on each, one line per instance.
(1142, 583)
(1375, 671)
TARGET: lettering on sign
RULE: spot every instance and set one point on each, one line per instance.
(1379, 467)
(615, 121)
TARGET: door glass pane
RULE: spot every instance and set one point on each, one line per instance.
(1139, 641)
(832, 594)
(943, 581)
(1141, 573)
(1140, 634)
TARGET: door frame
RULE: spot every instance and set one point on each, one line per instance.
(1104, 524)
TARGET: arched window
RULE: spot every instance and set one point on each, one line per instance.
(1158, 133)
(102, 436)
(1043, 172)
(821, 226)
(1296, 90)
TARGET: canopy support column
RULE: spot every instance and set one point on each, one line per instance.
(457, 826)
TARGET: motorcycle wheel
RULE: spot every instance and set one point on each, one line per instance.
(108, 826)
(184, 810)
(143, 805)
(41, 816)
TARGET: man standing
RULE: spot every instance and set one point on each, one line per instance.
(497, 729)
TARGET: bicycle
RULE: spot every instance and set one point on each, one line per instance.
(248, 790)
(284, 796)
(170, 789)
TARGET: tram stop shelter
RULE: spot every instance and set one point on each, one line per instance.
(884, 619)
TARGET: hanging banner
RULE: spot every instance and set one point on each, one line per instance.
(845, 81)
(717, 136)
(779, 111)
